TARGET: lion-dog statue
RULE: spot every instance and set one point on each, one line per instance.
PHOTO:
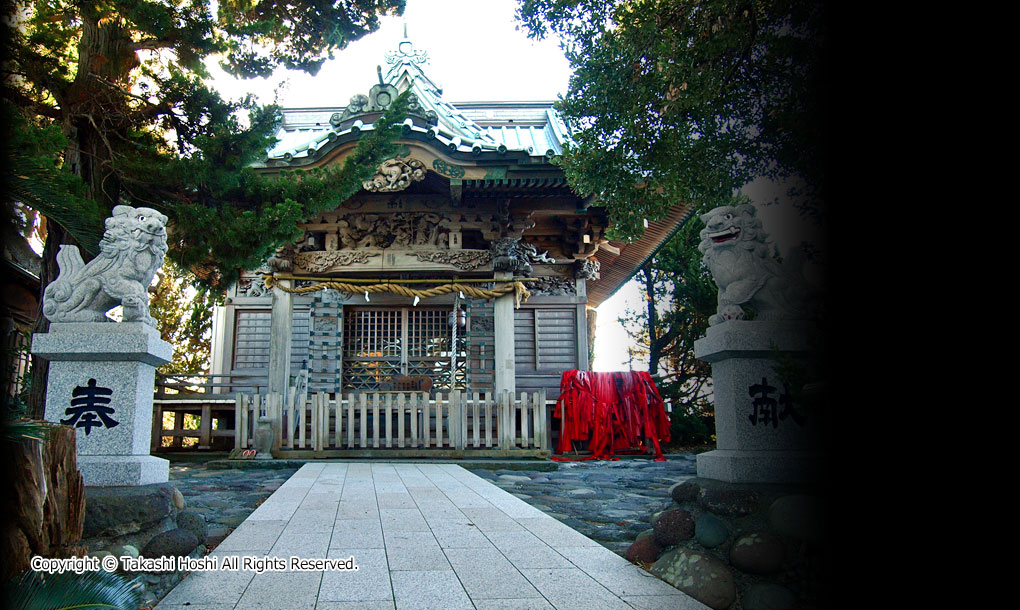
(737, 252)
(132, 249)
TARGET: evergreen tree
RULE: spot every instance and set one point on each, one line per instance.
(679, 296)
(110, 105)
(183, 311)
(684, 101)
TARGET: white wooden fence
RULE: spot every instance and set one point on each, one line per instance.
(397, 420)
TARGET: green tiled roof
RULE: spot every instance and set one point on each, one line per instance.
(531, 129)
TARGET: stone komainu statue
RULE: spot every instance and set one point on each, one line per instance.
(131, 251)
(736, 251)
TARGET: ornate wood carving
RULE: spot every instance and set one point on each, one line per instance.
(252, 287)
(553, 286)
(461, 259)
(326, 260)
(395, 175)
(587, 269)
(400, 231)
(509, 254)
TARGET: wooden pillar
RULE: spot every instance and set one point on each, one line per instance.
(220, 349)
(281, 322)
(178, 428)
(157, 428)
(582, 326)
(503, 350)
(205, 428)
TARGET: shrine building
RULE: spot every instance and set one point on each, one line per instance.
(465, 263)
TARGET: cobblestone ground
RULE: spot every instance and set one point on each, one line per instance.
(608, 501)
(224, 497)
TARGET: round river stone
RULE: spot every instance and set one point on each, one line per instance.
(645, 549)
(683, 491)
(194, 522)
(757, 553)
(701, 576)
(710, 531)
(672, 526)
(175, 543)
(800, 517)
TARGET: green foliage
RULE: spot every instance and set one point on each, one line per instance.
(183, 310)
(302, 34)
(216, 241)
(691, 425)
(113, 101)
(15, 405)
(69, 591)
(675, 101)
(33, 177)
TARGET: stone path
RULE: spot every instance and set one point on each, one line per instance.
(423, 536)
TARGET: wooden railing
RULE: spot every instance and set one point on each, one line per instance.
(396, 423)
(207, 396)
(182, 387)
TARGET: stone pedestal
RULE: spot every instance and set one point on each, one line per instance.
(101, 379)
(761, 435)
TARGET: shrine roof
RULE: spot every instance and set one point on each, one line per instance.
(526, 132)
(494, 129)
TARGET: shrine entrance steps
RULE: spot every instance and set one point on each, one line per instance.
(422, 536)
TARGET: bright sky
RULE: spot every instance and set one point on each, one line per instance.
(476, 54)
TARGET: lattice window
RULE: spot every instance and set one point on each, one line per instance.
(381, 343)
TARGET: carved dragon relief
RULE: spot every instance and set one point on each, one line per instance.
(466, 260)
(395, 175)
(400, 231)
(587, 268)
(516, 256)
(553, 286)
(318, 262)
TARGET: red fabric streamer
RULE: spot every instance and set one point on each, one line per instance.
(615, 412)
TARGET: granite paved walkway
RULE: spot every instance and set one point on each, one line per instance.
(422, 536)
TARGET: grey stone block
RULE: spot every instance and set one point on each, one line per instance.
(760, 436)
(98, 366)
(486, 574)
(371, 581)
(429, 589)
(356, 534)
(573, 589)
(281, 591)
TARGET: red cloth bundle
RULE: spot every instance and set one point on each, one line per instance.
(615, 412)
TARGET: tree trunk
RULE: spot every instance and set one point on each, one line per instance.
(49, 515)
(105, 54)
(653, 321)
(55, 237)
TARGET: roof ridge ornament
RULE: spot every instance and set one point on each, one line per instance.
(406, 53)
